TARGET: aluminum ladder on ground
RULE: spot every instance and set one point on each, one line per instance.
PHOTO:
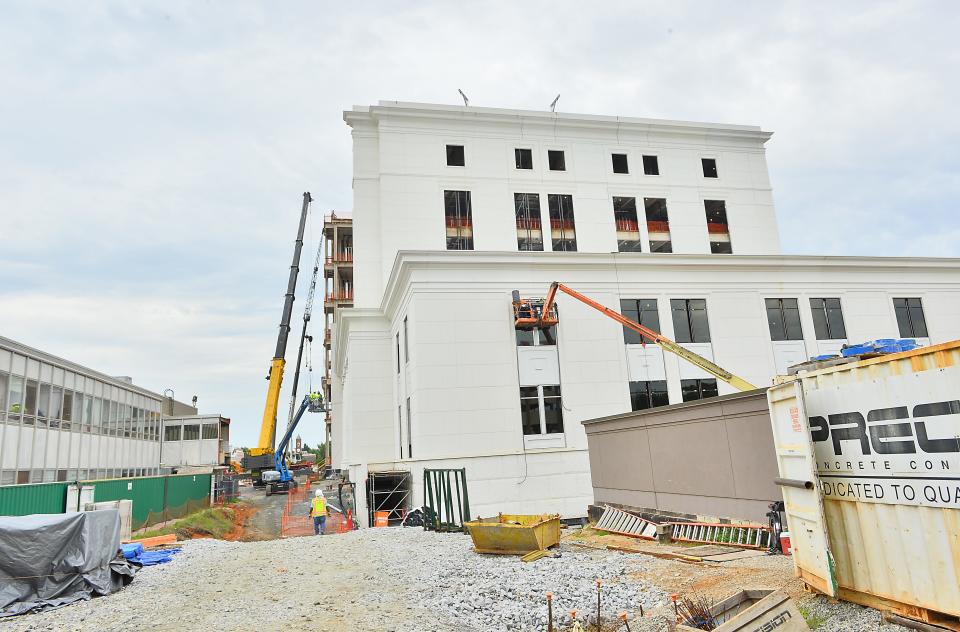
(619, 521)
(752, 536)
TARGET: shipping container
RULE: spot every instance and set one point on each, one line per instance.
(869, 460)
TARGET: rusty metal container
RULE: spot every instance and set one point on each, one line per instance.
(869, 460)
(514, 534)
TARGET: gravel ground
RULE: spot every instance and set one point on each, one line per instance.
(401, 580)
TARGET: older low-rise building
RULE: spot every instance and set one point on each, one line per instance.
(195, 441)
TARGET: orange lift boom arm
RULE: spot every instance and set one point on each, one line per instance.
(547, 318)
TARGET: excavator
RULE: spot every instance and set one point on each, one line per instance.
(542, 314)
(262, 457)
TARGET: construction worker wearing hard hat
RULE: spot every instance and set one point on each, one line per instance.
(318, 509)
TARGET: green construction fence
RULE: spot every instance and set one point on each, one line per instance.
(155, 499)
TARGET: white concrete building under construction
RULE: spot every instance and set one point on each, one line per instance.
(672, 223)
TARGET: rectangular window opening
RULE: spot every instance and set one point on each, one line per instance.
(718, 230)
(698, 389)
(658, 224)
(455, 156)
(523, 158)
(406, 340)
(541, 410)
(171, 433)
(459, 220)
(628, 228)
(556, 160)
(783, 317)
(529, 230)
(690, 319)
(828, 319)
(651, 166)
(709, 167)
(191, 432)
(910, 318)
(563, 234)
(409, 432)
(643, 311)
(644, 395)
(620, 163)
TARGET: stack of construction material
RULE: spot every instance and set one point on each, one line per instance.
(50, 560)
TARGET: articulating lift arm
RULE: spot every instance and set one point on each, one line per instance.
(547, 317)
(268, 427)
(314, 405)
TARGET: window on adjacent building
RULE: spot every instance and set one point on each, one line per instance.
(455, 156)
(910, 317)
(658, 224)
(406, 340)
(524, 158)
(628, 228)
(171, 433)
(210, 431)
(828, 319)
(620, 163)
(459, 219)
(651, 167)
(643, 311)
(529, 230)
(556, 160)
(698, 389)
(718, 230)
(690, 319)
(783, 317)
(541, 410)
(644, 395)
(563, 234)
(709, 167)
(191, 432)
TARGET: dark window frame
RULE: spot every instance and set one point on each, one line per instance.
(620, 163)
(625, 220)
(644, 397)
(456, 156)
(406, 341)
(556, 160)
(911, 318)
(704, 388)
(645, 311)
(540, 395)
(522, 155)
(458, 214)
(685, 330)
(828, 319)
(651, 164)
(709, 167)
(533, 220)
(783, 318)
(562, 214)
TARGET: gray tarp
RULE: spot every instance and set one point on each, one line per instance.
(49, 560)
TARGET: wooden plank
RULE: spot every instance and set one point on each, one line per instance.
(735, 555)
(159, 540)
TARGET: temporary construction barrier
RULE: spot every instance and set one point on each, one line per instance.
(869, 461)
(446, 505)
(155, 498)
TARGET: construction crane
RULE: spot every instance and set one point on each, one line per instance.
(262, 456)
(307, 313)
(542, 313)
(280, 479)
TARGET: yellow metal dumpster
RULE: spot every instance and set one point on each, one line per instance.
(514, 534)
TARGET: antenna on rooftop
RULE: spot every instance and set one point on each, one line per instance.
(466, 101)
(553, 104)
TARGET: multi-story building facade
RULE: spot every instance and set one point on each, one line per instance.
(671, 223)
(60, 421)
(338, 293)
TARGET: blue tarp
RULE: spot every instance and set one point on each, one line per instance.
(136, 553)
(881, 345)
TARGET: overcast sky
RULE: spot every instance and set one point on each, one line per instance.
(152, 155)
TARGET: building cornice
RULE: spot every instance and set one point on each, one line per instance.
(360, 117)
(346, 320)
(559, 264)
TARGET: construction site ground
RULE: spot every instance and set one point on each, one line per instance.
(404, 579)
